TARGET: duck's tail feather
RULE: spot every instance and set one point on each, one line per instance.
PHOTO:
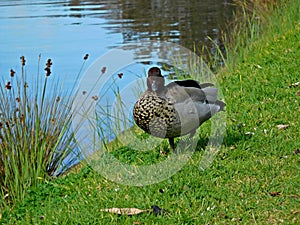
(211, 94)
(221, 104)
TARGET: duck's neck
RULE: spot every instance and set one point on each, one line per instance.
(156, 84)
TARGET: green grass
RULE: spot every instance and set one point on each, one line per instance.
(253, 180)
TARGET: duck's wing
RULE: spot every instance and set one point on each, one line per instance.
(192, 114)
(180, 93)
(189, 83)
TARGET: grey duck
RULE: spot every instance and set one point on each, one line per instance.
(176, 109)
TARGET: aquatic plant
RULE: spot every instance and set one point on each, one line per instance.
(35, 137)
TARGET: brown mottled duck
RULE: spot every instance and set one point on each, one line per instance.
(176, 109)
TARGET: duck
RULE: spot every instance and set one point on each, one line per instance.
(176, 109)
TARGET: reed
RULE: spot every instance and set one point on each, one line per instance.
(251, 18)
(35, 136)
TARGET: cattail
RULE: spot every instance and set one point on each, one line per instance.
(48, 71)
(95, 97)
(103, 69)
(23, 60)
(22, 118)
(8, 86)
(12, 73)
(120, 75)
(49, 63)
(48, 67)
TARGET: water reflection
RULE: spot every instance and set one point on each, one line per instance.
(186, 22)
(75, 27)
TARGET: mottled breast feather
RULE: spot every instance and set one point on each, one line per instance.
(157, 116)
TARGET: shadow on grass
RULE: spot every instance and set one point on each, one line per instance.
(233, 135)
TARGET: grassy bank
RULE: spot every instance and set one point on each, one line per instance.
(253, 180)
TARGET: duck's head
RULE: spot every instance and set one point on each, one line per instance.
(155, 81)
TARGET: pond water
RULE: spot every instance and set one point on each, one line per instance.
(66, 30)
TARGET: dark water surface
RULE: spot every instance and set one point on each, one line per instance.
(65, 30)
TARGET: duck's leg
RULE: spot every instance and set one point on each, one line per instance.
(192, 133)
(172, 145)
